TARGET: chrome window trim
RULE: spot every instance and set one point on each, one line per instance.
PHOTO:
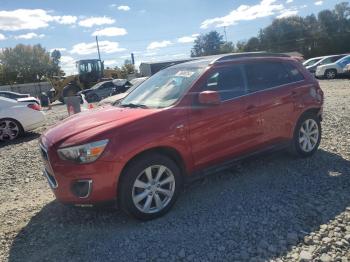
(267, 89)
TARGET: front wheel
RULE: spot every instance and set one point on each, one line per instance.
(307, 136)
(10, 129)
(150, 186)
(331, 74)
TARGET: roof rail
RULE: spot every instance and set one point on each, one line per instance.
(232, 56)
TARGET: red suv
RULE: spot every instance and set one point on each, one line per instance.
(187, 119)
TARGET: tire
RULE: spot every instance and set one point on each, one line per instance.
(8, 125)
(330, 74)
(307, 136)
(145, 198)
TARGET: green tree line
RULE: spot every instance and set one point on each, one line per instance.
(26, 63)
(328, 32)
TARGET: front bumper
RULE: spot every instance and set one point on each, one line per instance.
(81, 184)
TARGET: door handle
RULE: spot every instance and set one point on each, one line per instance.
(250, 108)
(294, 94)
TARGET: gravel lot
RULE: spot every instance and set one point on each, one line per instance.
(270, 208)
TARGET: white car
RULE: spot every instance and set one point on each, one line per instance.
(18, 117)
(331, 71)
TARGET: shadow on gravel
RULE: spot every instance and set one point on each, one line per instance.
(255, 211)
(28, 136)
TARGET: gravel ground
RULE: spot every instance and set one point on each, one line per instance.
(270, 208)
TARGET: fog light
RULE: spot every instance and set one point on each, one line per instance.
(82, 188)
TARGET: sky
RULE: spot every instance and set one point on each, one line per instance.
(154, 30)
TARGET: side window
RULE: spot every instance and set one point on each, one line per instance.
(294, 73)
(264, 75)
(345, 61)
(326, 61)
(228, 81)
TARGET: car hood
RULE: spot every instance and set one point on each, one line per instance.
(86, 125)
(85, 91)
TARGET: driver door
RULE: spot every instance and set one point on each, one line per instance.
(219, 132)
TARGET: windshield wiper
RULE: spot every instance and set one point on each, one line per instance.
(131, 105)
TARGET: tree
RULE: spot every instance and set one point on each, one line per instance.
(56, 56)
(26, 63)
(324, 34)
(207, 44)
(227, 47)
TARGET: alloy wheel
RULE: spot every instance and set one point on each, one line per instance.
(9, 130)
(330, 74)
(153, 189)
(308, 135)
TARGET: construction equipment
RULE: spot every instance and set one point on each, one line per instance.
(90, 72)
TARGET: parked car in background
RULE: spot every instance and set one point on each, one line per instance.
(13, 95)
(19, 97)
(186, 120)
(324, 61)
(112, 99)
(312, 61)
(331, 71)
(105, 89)
(18, 117)
(347, 69)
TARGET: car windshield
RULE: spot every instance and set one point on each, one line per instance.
(312, 61)
(163, 89)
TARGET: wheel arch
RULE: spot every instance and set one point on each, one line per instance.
(168, 151)
(312, 110)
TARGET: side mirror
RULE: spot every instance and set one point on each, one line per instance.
(209, 98)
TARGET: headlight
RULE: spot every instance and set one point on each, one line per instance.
(84, 153)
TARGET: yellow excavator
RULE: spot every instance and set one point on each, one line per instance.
(90, 72)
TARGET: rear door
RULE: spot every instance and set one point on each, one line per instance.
(221, 131)
(277, 86)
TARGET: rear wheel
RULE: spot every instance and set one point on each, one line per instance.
(10, 129)
(330, 74)
(150, 186)
(307, 135)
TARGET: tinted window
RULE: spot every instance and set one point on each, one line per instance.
(228, 81)
(294, 73)
(107, 85)
(336, 58)
(344, 61)
(265, 75)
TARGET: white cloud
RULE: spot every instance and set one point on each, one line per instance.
(289, 1)
(61, 49)
(243, 13)
(91, 21)
(68, 65)
(287, 13)
(319, 3)
(187, 39)
(111, 62)
(66, 19)
(30, 19)
(90, 48)
(123, 8)
(29, 36)
(156, 45)
(110, 31)
(2, 37)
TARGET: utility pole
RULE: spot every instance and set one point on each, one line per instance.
(98, 49)
(224, 33)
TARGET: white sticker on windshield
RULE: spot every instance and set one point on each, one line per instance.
(185, 73)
